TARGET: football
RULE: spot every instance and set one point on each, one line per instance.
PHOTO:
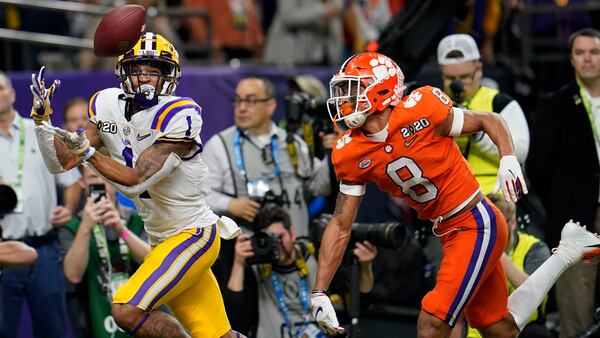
(119, 30)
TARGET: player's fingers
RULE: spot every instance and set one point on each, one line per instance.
(41, 76)
(511, 191)
(523, 185)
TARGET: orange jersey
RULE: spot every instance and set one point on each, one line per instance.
(414, 163)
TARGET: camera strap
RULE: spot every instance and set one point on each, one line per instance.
(239, 157)
(283, 307)
(105, 275)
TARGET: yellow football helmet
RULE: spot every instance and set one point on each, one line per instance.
(157, 51)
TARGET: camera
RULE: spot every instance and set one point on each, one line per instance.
(98, 189)
(8, 199)
(265, 246)
(385, 235)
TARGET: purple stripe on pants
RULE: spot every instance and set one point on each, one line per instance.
(164, 267)
(186, 267)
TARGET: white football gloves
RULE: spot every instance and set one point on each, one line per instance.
(76, 141)
(41, 109)
(324, 314)
(511, 179)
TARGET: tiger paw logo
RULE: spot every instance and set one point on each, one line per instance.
(413, 99)
(343, 141)
(383, 69)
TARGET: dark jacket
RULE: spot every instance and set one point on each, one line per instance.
(563, 163)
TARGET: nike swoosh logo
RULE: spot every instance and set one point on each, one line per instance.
(319, 309)
(142, 137)
(409, 142)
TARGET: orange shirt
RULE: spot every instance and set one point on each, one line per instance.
(414, 163)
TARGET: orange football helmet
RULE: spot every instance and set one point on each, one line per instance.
(366, 83)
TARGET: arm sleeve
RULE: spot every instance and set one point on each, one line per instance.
(215, 156)
(519, 131)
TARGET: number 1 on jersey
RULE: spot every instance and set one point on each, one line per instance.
(407, 174)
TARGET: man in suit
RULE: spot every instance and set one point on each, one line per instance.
(564, 169)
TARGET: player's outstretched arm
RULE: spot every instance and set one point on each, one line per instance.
(465, 122)
(335, 238)
(334, 242)
(149, 163)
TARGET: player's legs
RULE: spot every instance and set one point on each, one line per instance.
(576, 244)
(469, 258)
(200, 308)
(168, 270)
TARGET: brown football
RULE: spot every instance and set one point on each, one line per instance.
(119, 30)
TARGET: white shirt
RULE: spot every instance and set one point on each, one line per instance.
(38, 191)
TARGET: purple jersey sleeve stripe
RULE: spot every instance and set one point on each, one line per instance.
(195, 257)
(163, 268)
(168, 115)
(162, 109)
(92, 107)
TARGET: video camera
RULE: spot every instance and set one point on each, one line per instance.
(302, 111)
(265, 246)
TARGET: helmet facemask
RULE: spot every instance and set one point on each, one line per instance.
(348, 100)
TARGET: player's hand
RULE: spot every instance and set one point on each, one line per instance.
(41, 109)
(243, 249)
(324, 314)
(76, 141)
(365, 252)
(60, 215)
(510, 179)
(244, 208)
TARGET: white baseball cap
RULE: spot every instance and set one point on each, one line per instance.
(463, 43)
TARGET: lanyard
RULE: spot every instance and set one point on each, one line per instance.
(588, 108)
(239, 156)
(281, 301)
(21, 158)
(104, 277)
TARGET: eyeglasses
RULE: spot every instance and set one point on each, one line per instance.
(249, 101)
(465, 78)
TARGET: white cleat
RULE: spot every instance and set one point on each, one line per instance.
(578, 243)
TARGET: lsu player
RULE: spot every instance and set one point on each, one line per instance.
(405, 146)
(148, 145)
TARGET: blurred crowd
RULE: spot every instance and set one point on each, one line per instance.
(276, 179)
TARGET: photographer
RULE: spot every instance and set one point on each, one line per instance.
(271, 299)
(102, 248)
(255, 161)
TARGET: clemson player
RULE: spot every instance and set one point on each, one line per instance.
(152, 140)
(405, 146)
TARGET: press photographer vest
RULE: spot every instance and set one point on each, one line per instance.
(517, 256)
(290, 183)
(484, 165)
